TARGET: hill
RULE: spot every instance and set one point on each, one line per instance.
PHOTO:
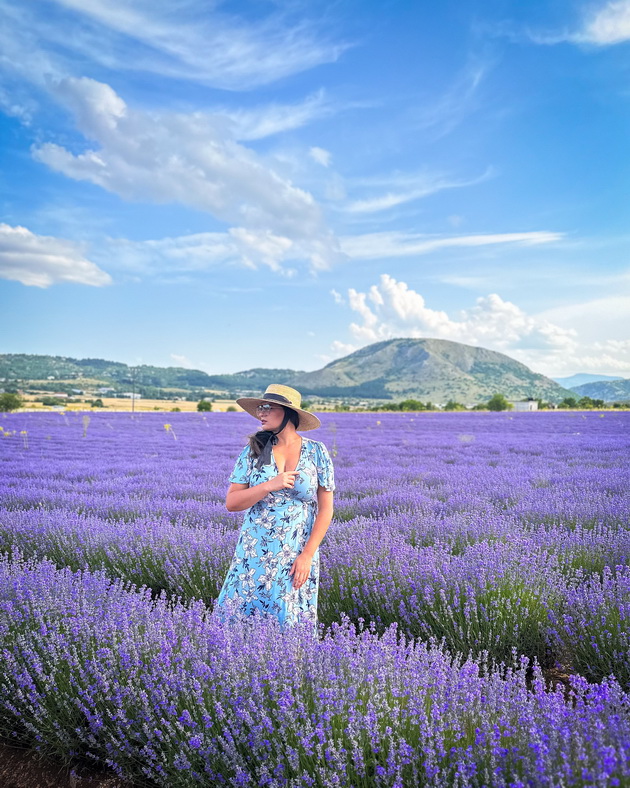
(60, 373)
(428, 369)
(425, 369)
(609, 391)
(584, 377)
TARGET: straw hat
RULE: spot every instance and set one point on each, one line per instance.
(282, 395)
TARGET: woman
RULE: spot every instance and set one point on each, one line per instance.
(285, 484)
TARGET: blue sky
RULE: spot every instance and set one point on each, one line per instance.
(232, 185)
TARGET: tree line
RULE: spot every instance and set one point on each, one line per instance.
(10, 401)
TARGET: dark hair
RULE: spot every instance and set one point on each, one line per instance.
(259, 440)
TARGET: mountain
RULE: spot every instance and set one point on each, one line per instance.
(583, 377)
(611, 391)
(425, 369)
(428, 369)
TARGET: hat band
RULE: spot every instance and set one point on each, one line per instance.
(277, 397)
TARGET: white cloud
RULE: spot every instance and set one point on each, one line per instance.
(262, 246)
(23, 108)
(456, 103)
(409, 188)
(321, 156)
(183, 254)
(192, 40)
(603, 327)
(611, 315)
(190, 254)
(605, 25)
(254, 124)
(374, 246)
(42, 261)
(339, 299)
(391, 309)
(610, 25)
(191, 159)
(338, 350)
(604, 358)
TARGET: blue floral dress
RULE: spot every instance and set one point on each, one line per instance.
(273, 534)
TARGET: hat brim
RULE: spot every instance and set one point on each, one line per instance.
(308, 421)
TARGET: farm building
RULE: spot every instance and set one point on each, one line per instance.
(522, 407)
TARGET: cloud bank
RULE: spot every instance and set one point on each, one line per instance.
(391, 309)
(192, 40)
(609, 25)
(191, 159)
(374, 246)
(42, 261)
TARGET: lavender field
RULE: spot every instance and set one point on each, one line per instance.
(473, 560)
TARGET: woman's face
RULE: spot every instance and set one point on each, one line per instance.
(270, 416)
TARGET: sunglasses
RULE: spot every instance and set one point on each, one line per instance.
(264, 409)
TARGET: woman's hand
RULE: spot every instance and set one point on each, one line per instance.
(242, 496)
(282, 481)
(300, 570)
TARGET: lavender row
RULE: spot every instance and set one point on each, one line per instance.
(594, 630)
(467, 527)
(494, 596)
(427, 590)
(551, 468)
(164, 693)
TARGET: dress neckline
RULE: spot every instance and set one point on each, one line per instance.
(299, 457)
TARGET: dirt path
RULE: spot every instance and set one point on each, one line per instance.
(21, 768)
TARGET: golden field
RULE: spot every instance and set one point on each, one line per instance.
(125, 405)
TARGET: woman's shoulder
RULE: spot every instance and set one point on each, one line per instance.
(315, 446)
(312, 443)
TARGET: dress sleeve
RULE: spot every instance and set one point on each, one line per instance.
(325, 470)
(242, 467)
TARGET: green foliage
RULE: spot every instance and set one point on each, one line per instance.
(587, 403)
(51, 401)
(231, 409)
(498, 402)
(584, 403)
(176, 410)
(306, 405)
(407, 405)
(452, 405)
(97, 403)
(411, 404)
(196, 395)
(10, 401)
(204, 405)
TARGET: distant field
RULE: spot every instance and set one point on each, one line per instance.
(124, 405)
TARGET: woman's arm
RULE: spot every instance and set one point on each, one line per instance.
(302, 565)
(241, 496)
